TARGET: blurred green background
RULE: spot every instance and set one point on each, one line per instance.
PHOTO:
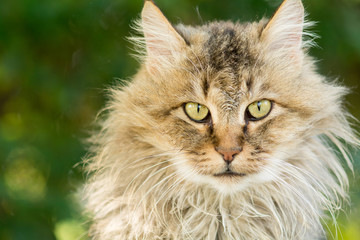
(56, 57)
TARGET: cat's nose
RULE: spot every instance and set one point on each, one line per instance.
(228, 154)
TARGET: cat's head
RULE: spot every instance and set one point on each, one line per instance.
(231, 102)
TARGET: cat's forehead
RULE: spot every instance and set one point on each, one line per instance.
(229, 52)
(230, 46)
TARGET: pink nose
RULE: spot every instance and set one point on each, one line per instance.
(228, 154)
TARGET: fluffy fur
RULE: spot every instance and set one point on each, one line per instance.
(151, 169)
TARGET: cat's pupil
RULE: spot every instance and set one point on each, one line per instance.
(259, 105)
(198, 108)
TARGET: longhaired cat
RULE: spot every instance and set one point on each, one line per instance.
(226, 132)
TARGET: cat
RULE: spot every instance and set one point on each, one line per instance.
(226, 132)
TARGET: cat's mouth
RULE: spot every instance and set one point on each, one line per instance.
(229, 173)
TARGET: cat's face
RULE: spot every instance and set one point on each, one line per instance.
(232, 106)
(224, 144)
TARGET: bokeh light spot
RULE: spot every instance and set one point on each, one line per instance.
(352, 230)
(24, 180)
(69, 229)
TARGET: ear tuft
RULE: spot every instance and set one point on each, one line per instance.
(162, 40)
(283, 33)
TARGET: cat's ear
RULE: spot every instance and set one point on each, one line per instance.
(283, 33)
(162, 40)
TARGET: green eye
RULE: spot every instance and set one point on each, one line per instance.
(259, 109)
(196, 111)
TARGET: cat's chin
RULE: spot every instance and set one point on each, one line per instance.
(230, 183)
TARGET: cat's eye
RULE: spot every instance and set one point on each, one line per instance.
(196, 111)
(259, 109)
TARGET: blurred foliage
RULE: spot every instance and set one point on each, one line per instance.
(55, 59)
